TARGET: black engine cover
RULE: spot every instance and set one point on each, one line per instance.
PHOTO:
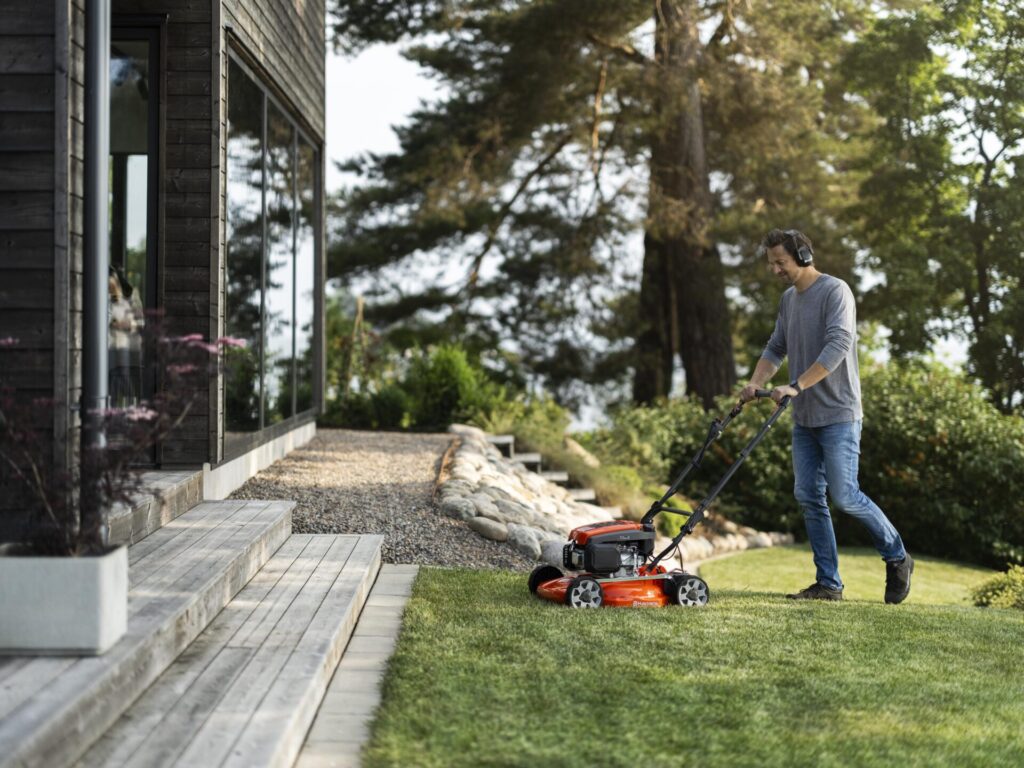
(601, 558)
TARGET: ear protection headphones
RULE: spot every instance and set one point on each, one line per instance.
(801, 252)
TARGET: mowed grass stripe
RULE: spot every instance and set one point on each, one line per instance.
(484, 674)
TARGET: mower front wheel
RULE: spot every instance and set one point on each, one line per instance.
(542, 573)
(584, 592)
(687, 589)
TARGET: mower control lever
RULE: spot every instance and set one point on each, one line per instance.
(762, 393)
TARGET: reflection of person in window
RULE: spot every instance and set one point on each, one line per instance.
(135, 336)
(122, 327)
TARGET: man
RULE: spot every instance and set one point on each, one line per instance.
(817, 329)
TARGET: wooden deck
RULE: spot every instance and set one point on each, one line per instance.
(246, 691)
(180, 577)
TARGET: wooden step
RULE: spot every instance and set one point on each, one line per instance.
(245, 693)
(179, 579)
(583, 494)
(555, 476)
(166, 494)
(504, 443)
(529, 460)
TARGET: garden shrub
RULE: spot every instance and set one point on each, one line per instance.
(444, 387)
(945, 465)
(391, 407)
(1003, 591)
(354, 411)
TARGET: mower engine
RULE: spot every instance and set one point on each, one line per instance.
(615, 549)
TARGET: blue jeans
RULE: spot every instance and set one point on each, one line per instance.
(828, 457)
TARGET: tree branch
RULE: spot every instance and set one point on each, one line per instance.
(492, 233)
(621, 49)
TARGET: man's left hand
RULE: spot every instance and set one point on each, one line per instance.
(786, 391)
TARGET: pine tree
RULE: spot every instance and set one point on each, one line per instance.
(571, 127)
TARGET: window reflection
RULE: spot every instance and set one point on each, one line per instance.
(271, 246)
(244, 251)
(305, 277)
(128, 206)
(277, 364)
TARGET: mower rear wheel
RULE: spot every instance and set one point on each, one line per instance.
(541, 574)
(687, 589)
(584, 592)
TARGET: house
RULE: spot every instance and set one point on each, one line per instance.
(214, 112)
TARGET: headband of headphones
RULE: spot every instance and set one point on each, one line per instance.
(800, 251)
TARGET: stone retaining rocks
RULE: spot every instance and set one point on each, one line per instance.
(503, 501)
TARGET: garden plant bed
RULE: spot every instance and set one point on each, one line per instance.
(485, 674)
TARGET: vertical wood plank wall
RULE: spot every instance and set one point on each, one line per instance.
(28, 84)
(42, 62)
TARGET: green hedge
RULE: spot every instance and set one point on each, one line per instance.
(947, 467)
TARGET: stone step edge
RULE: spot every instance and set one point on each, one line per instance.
(165, 496)
(72, 729)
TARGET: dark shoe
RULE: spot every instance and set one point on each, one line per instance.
(897, 580)
(817, 592)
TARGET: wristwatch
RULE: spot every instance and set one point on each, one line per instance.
(795, 384)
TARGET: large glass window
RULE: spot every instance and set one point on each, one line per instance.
(305, 275)
(280, 310)
(243, 310)
(271, 260)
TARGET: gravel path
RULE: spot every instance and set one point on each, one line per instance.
(345, 481)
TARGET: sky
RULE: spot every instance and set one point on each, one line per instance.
(366, 96)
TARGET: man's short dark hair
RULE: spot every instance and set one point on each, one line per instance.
(790, 239)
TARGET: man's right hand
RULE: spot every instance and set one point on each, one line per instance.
(748, 393)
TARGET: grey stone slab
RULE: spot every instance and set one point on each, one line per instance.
(332, 728)
(349, 703)
(371, 643)
(59, 721)
(397, 568)
(330, 755)
(364, 659)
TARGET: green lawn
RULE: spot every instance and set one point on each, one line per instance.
(484, 674)
(787, 569)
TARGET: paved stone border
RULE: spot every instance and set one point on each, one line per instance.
(342, 725)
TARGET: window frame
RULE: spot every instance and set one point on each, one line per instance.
(240, 443)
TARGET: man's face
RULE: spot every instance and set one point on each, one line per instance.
(782, 265)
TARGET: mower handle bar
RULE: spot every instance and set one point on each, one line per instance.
(715, 431)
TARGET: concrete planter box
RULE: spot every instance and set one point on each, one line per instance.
(63, 605)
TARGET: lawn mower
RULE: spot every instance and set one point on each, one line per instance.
(613, 560)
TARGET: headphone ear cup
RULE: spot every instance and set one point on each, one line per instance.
(804, 257)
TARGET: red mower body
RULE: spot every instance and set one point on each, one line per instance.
(618, 593)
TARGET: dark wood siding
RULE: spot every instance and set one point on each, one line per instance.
(27, 84)
(28, 259)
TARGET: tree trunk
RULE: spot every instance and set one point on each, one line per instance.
(655, 342)
(679, 214)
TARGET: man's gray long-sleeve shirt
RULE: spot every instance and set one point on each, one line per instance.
(820, 326)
